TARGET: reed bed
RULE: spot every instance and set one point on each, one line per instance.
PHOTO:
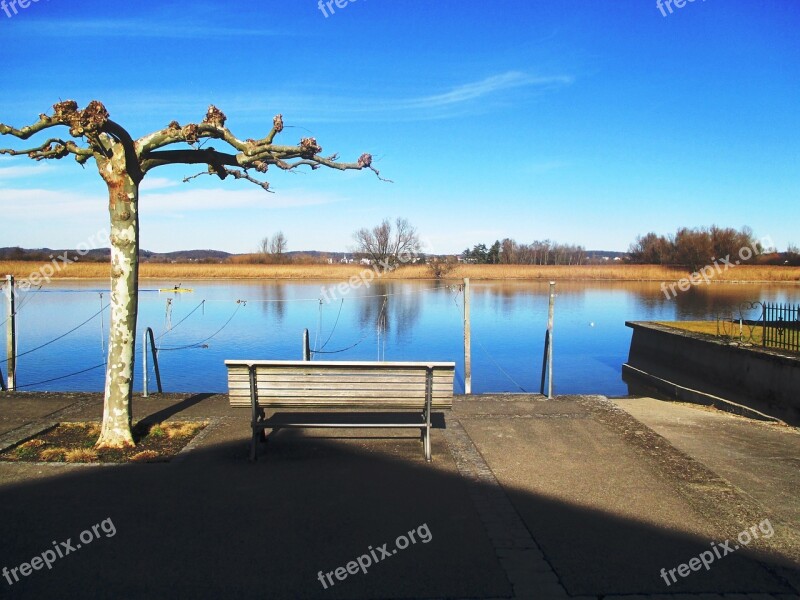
(180, 272)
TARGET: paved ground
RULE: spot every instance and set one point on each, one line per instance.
(525, 498)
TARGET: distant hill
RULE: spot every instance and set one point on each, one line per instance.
(104, 254)
(185, 256)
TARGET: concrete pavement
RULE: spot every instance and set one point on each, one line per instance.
(525, 498)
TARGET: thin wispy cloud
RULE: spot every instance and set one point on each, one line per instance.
(193, 199)
(470, 98)
(485, 87)
(21, 172)
(31, 204)
(140, 28)
(546, 166)
(157, 183)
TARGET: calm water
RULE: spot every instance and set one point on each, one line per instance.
(393, 321)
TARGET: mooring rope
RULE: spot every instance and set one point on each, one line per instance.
(201, 344)
(62, 335)
(27, 385)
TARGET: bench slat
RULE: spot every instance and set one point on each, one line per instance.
(267, 384)
(371, 374)
(261, 364)
(343, 394)
(341, 385)
(419, 388)
(350, 407)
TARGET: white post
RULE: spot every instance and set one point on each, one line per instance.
(550, 315)
(11, 335)
(467, 341)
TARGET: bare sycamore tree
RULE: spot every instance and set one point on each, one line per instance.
(122, 163)
(273, 247)
(278, 245)
(388, 246)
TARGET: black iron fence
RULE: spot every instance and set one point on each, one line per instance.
(781, 326)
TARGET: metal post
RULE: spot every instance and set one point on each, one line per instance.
(544, 360)
(550, 314)
(467, 341)
(148, 335)
(306, 347)
(144, 364)
(11, 335)
(155, 359)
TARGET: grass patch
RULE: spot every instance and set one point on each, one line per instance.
(748, 335)
(74, 443)
(81, 455)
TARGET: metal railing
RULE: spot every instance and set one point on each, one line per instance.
(781, 324)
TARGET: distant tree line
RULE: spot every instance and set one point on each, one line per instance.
(694, 247)
(511, 252)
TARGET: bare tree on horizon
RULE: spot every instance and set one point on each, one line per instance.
(385, 245)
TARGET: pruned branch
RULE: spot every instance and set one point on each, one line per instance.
(24, 133)
(107, 139)
(53, 148)
(223, 172)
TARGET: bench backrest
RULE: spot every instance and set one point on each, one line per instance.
(335, 384)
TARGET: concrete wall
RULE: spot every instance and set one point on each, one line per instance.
(764, 380)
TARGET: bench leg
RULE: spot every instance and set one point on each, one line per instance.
(256, 415)
(428, 408)
(428, 443)
(254, 444)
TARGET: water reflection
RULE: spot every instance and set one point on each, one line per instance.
(420, 320)
(273, 299)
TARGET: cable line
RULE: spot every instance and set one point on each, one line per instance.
(200, 344)
(489, 356)
(62, 377)
(174, 327)
(334, 325)
(63, 335)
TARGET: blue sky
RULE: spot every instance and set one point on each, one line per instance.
(583, 122)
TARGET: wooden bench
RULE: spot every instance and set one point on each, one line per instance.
(388, 387)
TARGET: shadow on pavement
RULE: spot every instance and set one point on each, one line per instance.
(217, 526)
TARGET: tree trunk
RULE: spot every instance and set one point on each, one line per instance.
(124, 212)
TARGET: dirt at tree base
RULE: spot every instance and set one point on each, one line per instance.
(74, 443)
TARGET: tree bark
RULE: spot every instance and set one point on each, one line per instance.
(123, 211)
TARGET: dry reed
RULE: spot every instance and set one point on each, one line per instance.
(182, 272)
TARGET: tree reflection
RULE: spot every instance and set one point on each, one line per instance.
(273, 300)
